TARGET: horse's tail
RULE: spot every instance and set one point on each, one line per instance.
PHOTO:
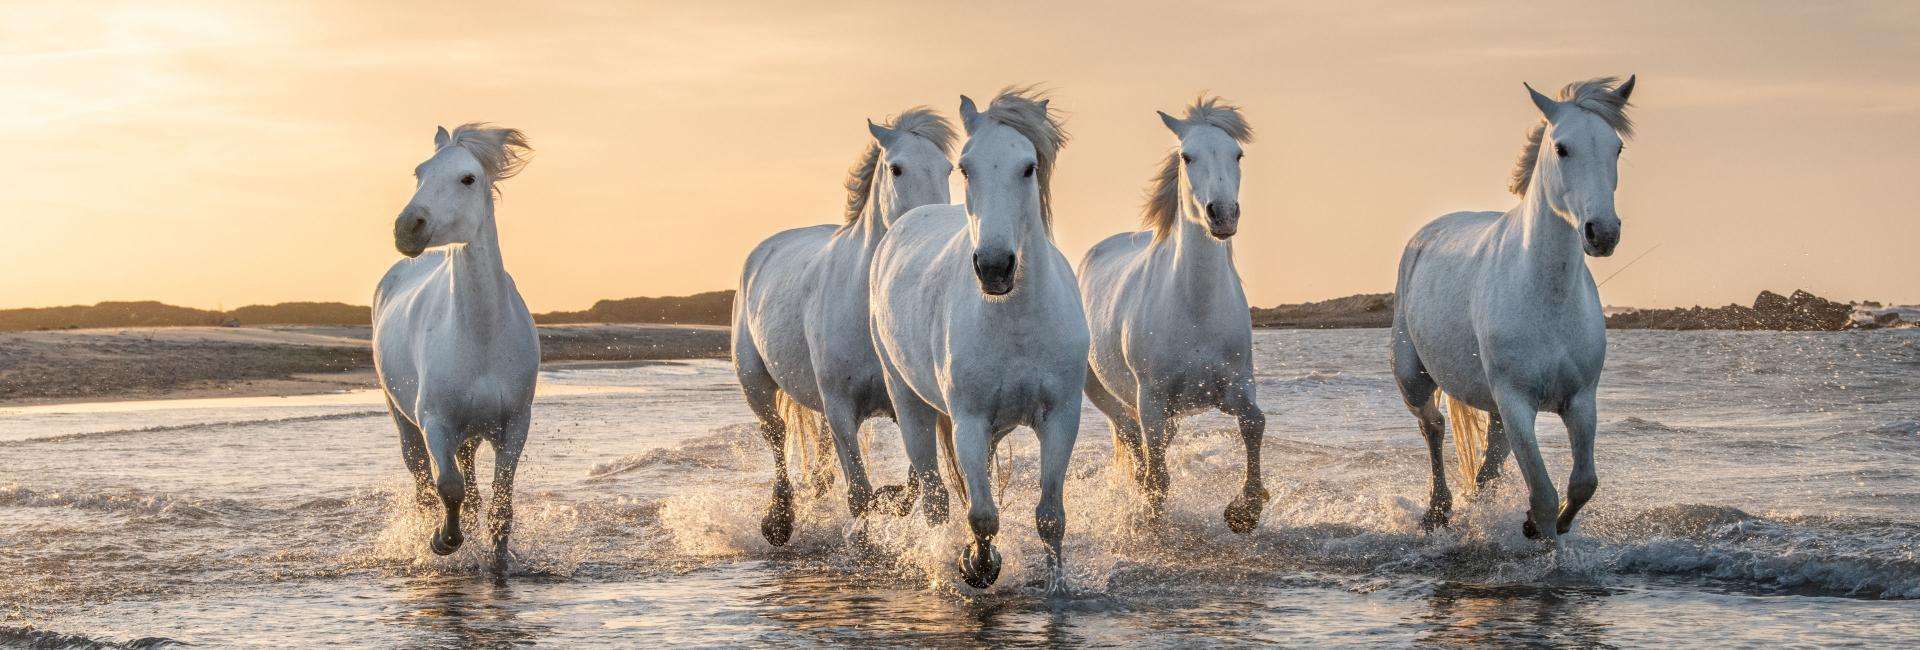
(1470, 427)
(807, 443)
(955, 477)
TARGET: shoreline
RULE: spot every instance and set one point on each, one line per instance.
(165, 363)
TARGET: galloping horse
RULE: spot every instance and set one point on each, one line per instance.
(453, 344)
(1171, 331)
(800, 339)
(1498, 314)
(979, 326)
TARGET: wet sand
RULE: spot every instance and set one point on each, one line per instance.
(47, 367)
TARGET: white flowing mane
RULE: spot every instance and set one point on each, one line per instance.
(502, 152)
(919, 120)
(1024, 109)
(1597, 97)
(1163, 192)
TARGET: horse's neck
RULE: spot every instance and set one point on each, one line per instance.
(481, 290)
(1038, 255)
(1550, 257)
(880, 211)
(1201, 266)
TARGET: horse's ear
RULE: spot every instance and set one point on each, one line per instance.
(1625, 89)
(968, 113)
(881, 134)
(1174, 124)
(1546, 105)
(440, 138)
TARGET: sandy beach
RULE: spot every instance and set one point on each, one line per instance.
(46, 367)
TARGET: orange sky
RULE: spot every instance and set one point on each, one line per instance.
(227, 154)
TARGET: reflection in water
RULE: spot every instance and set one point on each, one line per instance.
(465, 612)
(1469, 614)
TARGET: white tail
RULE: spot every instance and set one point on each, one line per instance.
(808, 445)
(1469, 426)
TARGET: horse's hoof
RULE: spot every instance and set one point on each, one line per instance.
(777, 526)
(1565, 527)
(442, 545)
(980, 570)
(892, 499)
(1527, 528)
(1435, 519)
(1243, 514)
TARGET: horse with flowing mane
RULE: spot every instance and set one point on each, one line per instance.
(1497, 316)
(1172, 334)
(801, 347)
(979, 327)
(453, 344)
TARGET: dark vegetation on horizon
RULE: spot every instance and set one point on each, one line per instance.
(1800, 311)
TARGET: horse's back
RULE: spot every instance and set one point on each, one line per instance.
(1434, 298)
(770, 308)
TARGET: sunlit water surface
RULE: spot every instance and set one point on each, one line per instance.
(1756, 488)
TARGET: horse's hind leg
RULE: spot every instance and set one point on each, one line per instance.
(1497, 449)
(1579, 417)
(506, 463)
(844, 422)
(413, 451)
(761, 392)
(1243, 513)
(1417, 390)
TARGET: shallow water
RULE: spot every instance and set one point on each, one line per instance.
(1757, 488)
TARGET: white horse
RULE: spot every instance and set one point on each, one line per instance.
(453, 344)
(1498, 314)
(1172, 335)
(979, 326)
(800, 338)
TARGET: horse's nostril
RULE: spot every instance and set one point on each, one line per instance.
(1591, 234)
(419, 224)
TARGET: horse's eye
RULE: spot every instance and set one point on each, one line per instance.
(466, 180)
(963, 172)
(1240, 156)
(1029, 172)
(1560, 149)
(895, 169)
(1186, 158)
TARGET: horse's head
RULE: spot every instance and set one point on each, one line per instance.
(913, 165)
(1209, 164)
(1007, 163)
(453, 193)
(1577, 157)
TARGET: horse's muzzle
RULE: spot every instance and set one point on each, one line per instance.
(995, 271)
(410, 231)
(1223, 219)
(1600, 240)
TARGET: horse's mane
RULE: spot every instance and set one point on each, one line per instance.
(502, 152)
(1596, 96)
(919, 120)
(1163, 192)
(1024, 109)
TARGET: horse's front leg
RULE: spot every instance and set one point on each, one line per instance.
(1579, 416)
(973, 447)
(1156, 429)
(443, 447)
(1517, 411)
(506, 462)
(1058, 431)
(1243, 513)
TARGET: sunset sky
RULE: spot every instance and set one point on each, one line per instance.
(229, 154)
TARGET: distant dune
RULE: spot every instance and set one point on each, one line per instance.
(1770, 311)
